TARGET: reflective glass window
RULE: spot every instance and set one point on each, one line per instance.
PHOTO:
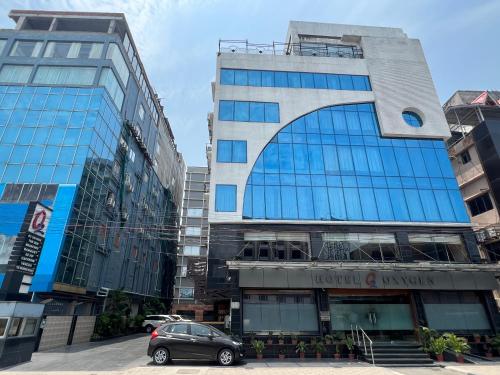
(26, 48)
(225, 198)
(333, 164)
(15, 73)
(64, 75)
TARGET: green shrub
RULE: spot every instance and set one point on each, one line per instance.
(258, 346)
(456, 344)
(437, 345)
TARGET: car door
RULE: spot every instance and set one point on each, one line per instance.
(179, 341)
(204, 343)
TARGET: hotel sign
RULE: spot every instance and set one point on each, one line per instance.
(367, 279)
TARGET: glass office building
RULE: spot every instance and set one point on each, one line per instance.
(333, 202)
(83, 134)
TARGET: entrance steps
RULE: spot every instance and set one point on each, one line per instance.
(397, 354)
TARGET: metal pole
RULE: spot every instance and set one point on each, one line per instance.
(371, 349)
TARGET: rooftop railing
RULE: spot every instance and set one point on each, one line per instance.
(300, 49)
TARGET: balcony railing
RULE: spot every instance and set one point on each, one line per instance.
(300, 49)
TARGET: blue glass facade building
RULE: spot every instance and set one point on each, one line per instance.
(81, 131)
(345, 206)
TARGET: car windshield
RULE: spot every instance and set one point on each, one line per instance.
(218, 332)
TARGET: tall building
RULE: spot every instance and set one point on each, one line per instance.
(90, 178)
(474, 149)
(332, 199)
(191, 299)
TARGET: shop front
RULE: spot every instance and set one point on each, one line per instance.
(387, 304)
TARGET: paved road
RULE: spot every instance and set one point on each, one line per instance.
(127, 356)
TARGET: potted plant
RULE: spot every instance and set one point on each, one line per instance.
(337, 349)
(281, 354)
(319, 348)
(301, 349)
(270, 338)
(295, 339)
(426, 334)
(328, 339)
(281, 338)
(495, 343)
(477, 338)
(349, 342)
(457, 345)
(258, 346)
(313, 341)
(437, 346)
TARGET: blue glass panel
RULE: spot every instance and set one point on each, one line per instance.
(359, 83)
(337, 205)
(353, 123)
(271, 179)
(359, 160)
(289, 202)
(303, 180)
(305, 203)
(398, 202)
(368, 205)
(316, 163)
(349, 181)
(444, 163)
(227, 77)
(257, 112)
(286, 158)
(312, 122)
(414, 205)
(280, 79)
(240, 77)
(272, 112)
(352, 203)
(287, 179)
(403, 161)
(321, 207)
(241, 111)
(298, 126)
(330, 159)
(294, 80)
(44, 174)
(19, 154)
(368, 123)
(34, 154)
(423, 183)
(346, 82)
(301, 160)
(226, 110)
(239, 152)
(313, 139)
(379, 181)
(345, 159)
(364, 181)
(444, 205)
(458, 206)
(333, 81)
(247, 202)
(417, 162)
(429, 205)
(11, 173)
(50, 155)
(394, 182)
(325, 121)
(384, 206)
(431, 162)
(223, 151)
(225, 198)
(374, 161)
(267, 78)
(271, 162)
(307, 80)
(61, 174)
(273, 202)
(320, 81)
(254, 78)
(339, 122)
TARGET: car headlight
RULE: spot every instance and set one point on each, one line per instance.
(236, 343)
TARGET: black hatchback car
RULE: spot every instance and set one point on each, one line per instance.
(195, 341)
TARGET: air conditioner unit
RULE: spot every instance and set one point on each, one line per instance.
(102, 292)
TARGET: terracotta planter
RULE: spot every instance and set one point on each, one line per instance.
(318, 355)
(302, 355)
(351, 356)
(439, 357)
(294, 342)
(281, 342)
(337, 356)
(460, 358)
(269, 341)
(477, 339)
(259, 356)
(281, 357)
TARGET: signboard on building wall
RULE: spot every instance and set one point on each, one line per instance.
(27, 248)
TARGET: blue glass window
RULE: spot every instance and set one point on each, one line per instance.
(231, 151)
(305, 80)
(230, 110)
(225, 198)
(412, 119)
(333, 164)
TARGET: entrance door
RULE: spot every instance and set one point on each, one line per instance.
(382, 317)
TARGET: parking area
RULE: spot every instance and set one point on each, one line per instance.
(127, 356)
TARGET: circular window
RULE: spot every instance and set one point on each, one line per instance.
(412, 119)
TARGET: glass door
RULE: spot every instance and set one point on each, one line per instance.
(382, 317)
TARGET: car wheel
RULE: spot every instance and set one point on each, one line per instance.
(149, 328)
(225, 357)
(160, 356)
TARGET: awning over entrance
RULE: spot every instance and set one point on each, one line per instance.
(310, 277)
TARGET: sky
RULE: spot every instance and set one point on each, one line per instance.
(178, 42)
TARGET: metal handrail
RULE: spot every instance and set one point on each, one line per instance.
(363, 336)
